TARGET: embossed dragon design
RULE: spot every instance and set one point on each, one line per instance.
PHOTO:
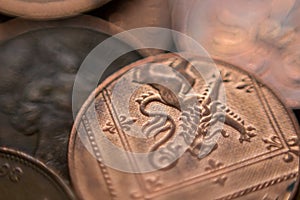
(199, 117)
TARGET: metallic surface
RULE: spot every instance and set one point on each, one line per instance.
(260, 36)
(256, 156)
(39, 61)
(48, 9)
(132, 14)
(23, 177)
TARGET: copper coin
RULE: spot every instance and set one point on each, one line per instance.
(23, 177)
(48, 9)
(39, 61)
(133, 14)
(255, 157)
(260, 36)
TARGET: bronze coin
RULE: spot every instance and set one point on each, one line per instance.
(48, 9)
(23, 177)
(260, 36)
(133, 14)
(255, 157)
(39, 61)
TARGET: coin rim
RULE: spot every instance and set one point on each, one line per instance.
(17, 27)
(38, 167)
(111, 78)
(180, 26)
(48, 10)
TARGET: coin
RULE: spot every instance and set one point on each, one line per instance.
(133, 14)
(39, 61)
(48, 9)
(23, 177)
(256, 35)
(132, 114)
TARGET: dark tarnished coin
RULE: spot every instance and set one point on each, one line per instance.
(48, 9)
(255, 155)
(260, 36)
(39, 61)
(23, 177)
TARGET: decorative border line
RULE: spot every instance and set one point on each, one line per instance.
(197, 179)
(112, 112)
(38, 167)
(194, 180)
(260, 186)
(97, 153)
(270, 114)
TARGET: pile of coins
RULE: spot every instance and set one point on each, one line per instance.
(149, 99)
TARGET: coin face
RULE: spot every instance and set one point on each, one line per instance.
(39, 61)
(133, 14)
(23, 177)
(144, 134)
(48, 9)
(259, 36)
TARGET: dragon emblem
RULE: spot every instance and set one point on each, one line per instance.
(195, 120)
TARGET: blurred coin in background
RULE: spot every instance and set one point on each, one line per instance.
(39, 61)
(23, 177)
(48, 9)
(259, 36)
(132, 14)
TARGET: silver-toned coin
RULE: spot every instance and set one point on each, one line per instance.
(39, 61)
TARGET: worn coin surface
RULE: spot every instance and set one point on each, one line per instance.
(260, 36)
(39, 61)
(48, 9)
(23, 177)
(255, 155)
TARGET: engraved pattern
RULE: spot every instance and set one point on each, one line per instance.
(273, 142)
(138, 196)
(124, 122)
(246, 84)
(197, 117)
(293, 144)
(226, 76)
(213, 165)
(110, 127)
(97, 153)
(14, 174)
(260, 186)
(153, 183)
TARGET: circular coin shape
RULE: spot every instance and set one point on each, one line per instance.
(254, 157)
(39, 61)
(132, 14)
(260, 36)
(23, 177)
(48, 9)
